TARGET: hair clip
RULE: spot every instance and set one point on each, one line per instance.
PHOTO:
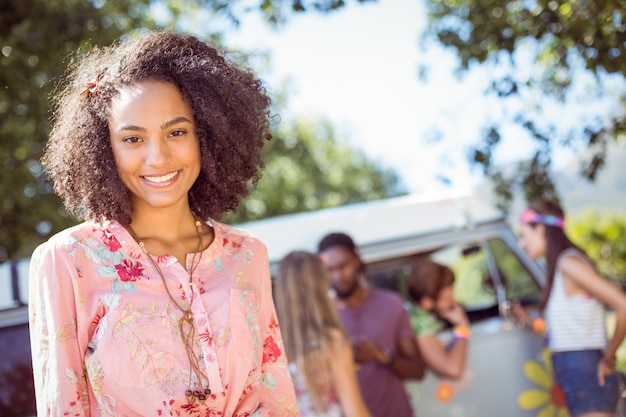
(93, 86)
(530, 216)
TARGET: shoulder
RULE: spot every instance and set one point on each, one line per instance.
(68, 238)
(572, 253)
(62, 247)
(386, 296)
(234, 236)
(576, 267)
(340, 344)
(337, 337)
(239, 247)
(573, 258)
(423, 322)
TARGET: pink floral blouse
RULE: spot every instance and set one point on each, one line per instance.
(105, 337)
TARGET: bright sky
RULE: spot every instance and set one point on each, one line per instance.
(358, 67)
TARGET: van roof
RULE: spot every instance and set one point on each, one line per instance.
(374, 222)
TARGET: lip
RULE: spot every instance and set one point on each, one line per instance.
(161, 180)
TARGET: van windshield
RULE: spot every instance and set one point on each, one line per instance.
(487, 273)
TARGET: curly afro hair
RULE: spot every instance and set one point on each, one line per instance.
(229, 104)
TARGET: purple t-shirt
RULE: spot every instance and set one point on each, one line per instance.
(383, 319)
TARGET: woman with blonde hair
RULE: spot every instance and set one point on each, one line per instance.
(319, 352)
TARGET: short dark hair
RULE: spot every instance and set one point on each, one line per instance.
(337, 239)
(229, 104)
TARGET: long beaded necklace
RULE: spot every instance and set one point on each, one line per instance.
(195, 390)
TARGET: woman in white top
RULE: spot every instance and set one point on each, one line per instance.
(573, 303)
(320, 354)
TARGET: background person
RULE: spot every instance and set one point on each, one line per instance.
(573, 302)
(152, 306)
(431, 289)
(319, 351)
(378, 324)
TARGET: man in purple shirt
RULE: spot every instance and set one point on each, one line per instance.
(378, 324)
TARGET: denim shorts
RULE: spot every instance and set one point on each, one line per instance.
(577, 374)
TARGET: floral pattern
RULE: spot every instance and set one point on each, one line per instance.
(548, 397)
(271, 351)
(105, 329)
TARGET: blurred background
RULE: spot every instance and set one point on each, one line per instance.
(373, 99)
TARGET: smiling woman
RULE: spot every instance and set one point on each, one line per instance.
(154, 143)
(137, 310)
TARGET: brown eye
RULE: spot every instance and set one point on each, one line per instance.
(178, 132)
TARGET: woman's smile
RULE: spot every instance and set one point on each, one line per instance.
(154, 142)
(161, 180)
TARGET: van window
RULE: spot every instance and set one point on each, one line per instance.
(475, 265)
(469, 263)
(518, 281)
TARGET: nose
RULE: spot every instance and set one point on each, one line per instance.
(158, 152)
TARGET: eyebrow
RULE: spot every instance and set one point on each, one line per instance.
(180, 119)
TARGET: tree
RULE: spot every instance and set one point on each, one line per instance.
(544, 55)
(603, 236)
(566, 43)
(307, 168)
(37, 39)
(35, 36)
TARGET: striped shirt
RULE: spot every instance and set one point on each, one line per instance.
(575, 322)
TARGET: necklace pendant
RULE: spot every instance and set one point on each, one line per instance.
(197, 395)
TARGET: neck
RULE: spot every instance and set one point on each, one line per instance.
(167, 224)
(355, 299)
(170, 232)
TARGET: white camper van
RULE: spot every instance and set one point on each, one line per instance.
(508, 372)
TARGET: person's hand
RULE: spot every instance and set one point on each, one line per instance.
(520, 315)
(367, 350)
(605, 367)
(456, 315)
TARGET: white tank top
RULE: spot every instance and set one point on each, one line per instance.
(574, 322)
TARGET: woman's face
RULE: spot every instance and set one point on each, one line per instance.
(533, 240)
(153, 137)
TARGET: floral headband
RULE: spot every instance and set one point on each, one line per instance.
(93, 86)
(530, 216)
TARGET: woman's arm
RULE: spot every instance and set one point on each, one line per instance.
(409, 362)
(278, 397)
(60, 382)
(586, 277)
(448, 363)
(344, 376)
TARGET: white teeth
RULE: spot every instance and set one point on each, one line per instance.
(162, 178)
